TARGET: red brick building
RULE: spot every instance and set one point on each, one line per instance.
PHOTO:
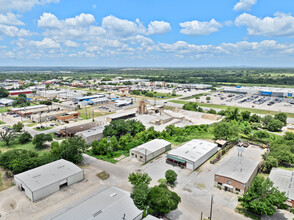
(236, 174)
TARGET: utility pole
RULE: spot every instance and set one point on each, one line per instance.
(211, 203)
(201, 216)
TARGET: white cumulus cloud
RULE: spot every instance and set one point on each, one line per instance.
(22, 5)
(279, 25)
(200, 28)
(10, 19)
(46, 43)
(158, 27)
(244, 5)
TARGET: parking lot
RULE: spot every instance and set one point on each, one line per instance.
(250, 101)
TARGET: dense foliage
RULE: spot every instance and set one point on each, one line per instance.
(262, 198)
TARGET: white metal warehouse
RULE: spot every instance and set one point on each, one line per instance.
(109, 203)
(150, 150)
(192, 154)
(48, 179)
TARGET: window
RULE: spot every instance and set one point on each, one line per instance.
(219, 183)
(229, 182)
(141, 157)
(216, 177)
(238, 190)
(132, 154)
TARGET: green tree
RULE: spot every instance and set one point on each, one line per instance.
(25, 137)
(71, 149)
(275, 125)
(18, 127)
(281, 117)
(7, 136)
(255, 118)
(140, 196)
(137, 178)
(171, 177)
(266, 120)
(114, 143)
(262, 198)
(40, 139)
(226, 130)
(3, 92)
(125, 140)
(161, 200)
(269, 163)
(233, 114)
(102, 147)
(246, 115)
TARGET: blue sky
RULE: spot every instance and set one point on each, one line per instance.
(147, 33)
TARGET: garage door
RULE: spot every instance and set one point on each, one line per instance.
(190, 165)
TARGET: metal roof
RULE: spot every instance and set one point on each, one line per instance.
(193, 150)
(283, 180)
(47, 174)
(91, 131)
(6, 101)
(151, 146)
(238, 168)
(109, 203)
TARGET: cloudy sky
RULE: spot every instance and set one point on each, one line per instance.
(147, 33)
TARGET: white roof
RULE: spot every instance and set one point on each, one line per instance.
(283, 180)
(151, 146)
(238, 168)
(193, 150)
(28, 107)
(104, 204)
(6, 101)
(47, 174)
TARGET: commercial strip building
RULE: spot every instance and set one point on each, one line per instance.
(192, 154)
(87, 98)
(109, 203)
(35, 109)
(17, 92)
(284, 181)
(150, 150)
(92, 134)
(47, 116)
(48, 179)
(194, 86)
(121, 115)
(72, 131)
(262, 91)
(236, 174)
(68, 116)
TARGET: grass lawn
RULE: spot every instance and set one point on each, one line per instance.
(4, 109)
(224, 107)
(15, 145)
(55, 137)
(43, 129)
(5, 183)
(239, 209)
(199, 135)
(102, 157)
(31, 124)
(89, 113)
(194, 96)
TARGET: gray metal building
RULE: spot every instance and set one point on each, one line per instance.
(150, 150)
(109, 203)
(192, 154)
(48, 179)
(283, 180)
